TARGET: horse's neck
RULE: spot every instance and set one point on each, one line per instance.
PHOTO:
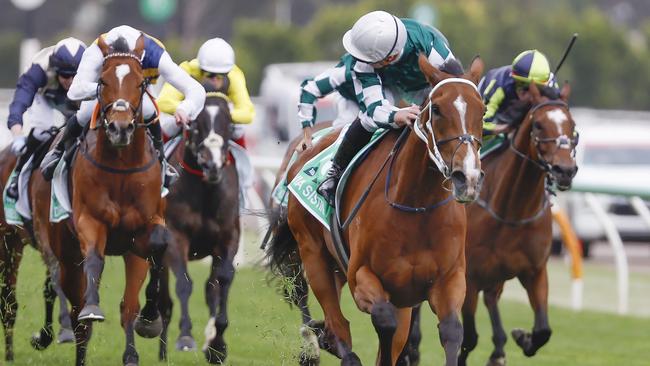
(415, 180)
(521, 191)
(132, 155)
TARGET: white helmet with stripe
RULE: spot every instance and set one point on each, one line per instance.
(375, 36)
(216, 55)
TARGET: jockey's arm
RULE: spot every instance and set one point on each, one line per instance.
(440, 53)
(243, 110)
(26, 88)
(84, 85)
(193, 91)
(492, 104)
(315, 88)
(169, 99)
(376, 110)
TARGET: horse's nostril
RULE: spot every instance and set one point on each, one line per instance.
(458, 178)
(130, 128)
(112, 128)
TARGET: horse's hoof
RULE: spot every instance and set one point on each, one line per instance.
(351, 359)
(41, 340)
(500, 361)
(308, 360)
(66, 335)
(92, 313)
(148, 328)
(185, 344)
(215, 356)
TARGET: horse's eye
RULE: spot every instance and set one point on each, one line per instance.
(435, 110)
(537, 125)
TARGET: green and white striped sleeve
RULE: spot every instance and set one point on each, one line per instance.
(376, 110)
(314, 88)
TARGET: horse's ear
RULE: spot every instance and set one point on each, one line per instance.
(432, 74)
(534, 92)
(102, 45)
(476, 70)
(139, 46)
(565, 92)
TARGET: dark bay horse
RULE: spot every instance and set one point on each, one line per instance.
(117, 209)
(13, 240)
(203, 216)
(509, 227)
(400, 255)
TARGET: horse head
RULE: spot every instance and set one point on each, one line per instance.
(451, 125)
(553, 137)
(120, 90)
(209, 134)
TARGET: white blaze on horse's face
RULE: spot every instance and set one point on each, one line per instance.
(559, 117)
(469, 162)
(214, 142)
(121, 71)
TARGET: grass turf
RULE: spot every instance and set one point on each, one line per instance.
(264, 330)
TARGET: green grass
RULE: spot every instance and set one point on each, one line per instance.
(264, 330)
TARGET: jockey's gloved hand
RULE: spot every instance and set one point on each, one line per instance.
(305, 143)
(19, 145)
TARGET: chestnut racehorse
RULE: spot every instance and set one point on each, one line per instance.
(509, 227)
(117, 207)
(13, 240)
(203, 217)
(401, 255)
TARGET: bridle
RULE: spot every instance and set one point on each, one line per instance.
(434, 151)
(120, 104)
(561, 142)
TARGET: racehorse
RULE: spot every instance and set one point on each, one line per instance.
(510, 230)
(400, 255)
(203, 217)
(117, 206)
(11, 251)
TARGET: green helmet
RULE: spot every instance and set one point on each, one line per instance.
(531, 66)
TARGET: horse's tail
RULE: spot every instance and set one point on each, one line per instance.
(283, 259)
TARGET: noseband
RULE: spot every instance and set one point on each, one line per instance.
(462, 139)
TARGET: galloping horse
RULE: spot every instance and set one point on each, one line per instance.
(11, 250)
(509, 227)
(203, 216)
(400, 255)
(117, 209)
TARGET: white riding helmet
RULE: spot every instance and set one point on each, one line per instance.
(375, 36)
(216, 55)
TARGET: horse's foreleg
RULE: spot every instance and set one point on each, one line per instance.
(43, 339)
(178, 264)
(10, 255)
(499, 337)
(470, 336)
(136, 271)
(73, 283)
(217, 289)
(446, 299)
(537, 288)
(92, 239)
(149, 323)
(411, 353)
(370, 297)
(165, 308)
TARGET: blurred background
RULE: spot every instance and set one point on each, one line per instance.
(278, 43)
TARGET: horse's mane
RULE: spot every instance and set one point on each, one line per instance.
(453, 67)
(120, 45)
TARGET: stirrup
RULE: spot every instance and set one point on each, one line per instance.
(170, 175)
(327, 189)
(49, 163)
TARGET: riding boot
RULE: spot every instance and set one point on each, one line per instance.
(171, 175)
(30, 146)
(354, 140)
(72, 130)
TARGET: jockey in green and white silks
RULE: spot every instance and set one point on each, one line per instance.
(382, 65)
(504, 85)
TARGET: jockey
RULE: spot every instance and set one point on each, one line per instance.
(383, 53)
(41, 90)
(502, 86)
(155, 62)
(215, 64)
